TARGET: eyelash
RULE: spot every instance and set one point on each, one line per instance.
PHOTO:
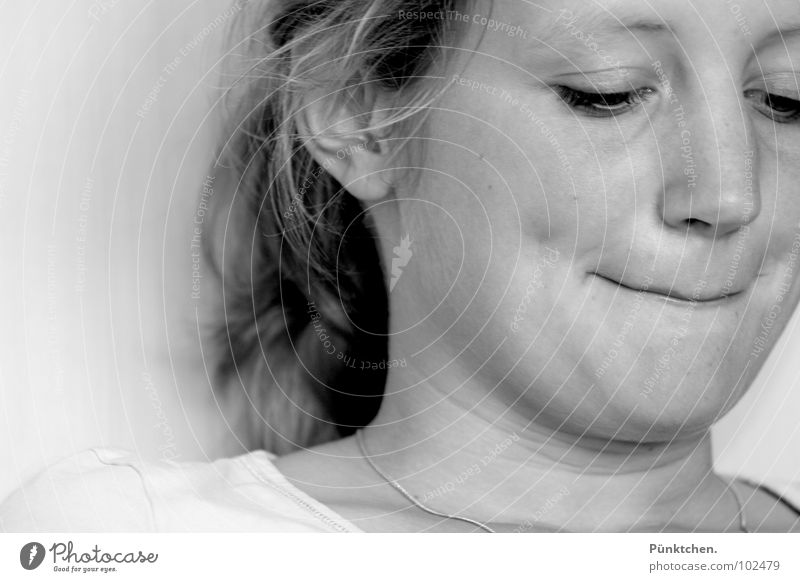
(603, 104)
(778, 108)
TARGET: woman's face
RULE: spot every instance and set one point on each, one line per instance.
(607, 225)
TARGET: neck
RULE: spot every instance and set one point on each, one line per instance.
(463, 453)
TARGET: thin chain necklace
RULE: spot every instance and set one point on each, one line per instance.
(400, 489)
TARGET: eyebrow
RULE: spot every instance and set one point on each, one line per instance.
(789, 30)
(593, 19)
(561, 31)
(597, 21)
(638, 24)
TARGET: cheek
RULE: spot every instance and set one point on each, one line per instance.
(509, 187)
(776, 289)
(537, 175)
(504, 191)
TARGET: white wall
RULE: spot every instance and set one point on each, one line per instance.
(761, 436)
(96, 205)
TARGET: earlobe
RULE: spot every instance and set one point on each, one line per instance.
(356, 158)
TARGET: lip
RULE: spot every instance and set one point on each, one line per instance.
(672, 295)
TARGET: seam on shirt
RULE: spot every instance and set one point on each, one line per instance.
(774, 494)
(264, 478)
(150, 505)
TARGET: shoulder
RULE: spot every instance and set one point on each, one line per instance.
(113, 490)
(87, 491)
(786, 492)
(772, 504)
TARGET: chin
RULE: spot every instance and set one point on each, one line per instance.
(682, 411)
(679, 402)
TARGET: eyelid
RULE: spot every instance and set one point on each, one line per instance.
(764, 104)
(599, 74)
(603, 81)
(580, 100)
(792, 77)
(792, 94)
(788, 82)
(642, 91)
(609, 90)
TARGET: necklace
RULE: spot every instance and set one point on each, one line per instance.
(407, 495)
(400, 489)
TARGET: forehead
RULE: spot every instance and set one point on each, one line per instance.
(557, 23)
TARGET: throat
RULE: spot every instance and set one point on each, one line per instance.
(526, 480)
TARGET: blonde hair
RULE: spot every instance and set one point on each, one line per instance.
(297, 255)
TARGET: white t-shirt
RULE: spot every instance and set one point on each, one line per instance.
(111, 490)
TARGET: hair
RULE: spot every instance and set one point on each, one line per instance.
(304, 298)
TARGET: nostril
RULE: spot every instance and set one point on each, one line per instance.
(696, 222)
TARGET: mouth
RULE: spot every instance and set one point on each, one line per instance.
(701, 294)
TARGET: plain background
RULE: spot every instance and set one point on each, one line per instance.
(98, 334)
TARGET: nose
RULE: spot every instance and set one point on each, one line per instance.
(711, 161)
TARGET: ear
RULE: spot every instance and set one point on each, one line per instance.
(334, 136)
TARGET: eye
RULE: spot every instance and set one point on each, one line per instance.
(777, 107)
(603, 104)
